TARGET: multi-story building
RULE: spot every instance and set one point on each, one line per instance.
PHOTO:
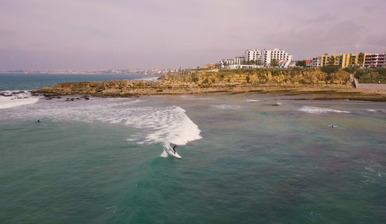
(234, 61)
(253, 55)
(263, 57)
(275, 54)
(375, 60)
(344, 60)
(226, 62)
(239, 60)
(316, 62)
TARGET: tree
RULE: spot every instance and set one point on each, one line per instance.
(330, 69)
(274, 63)
(301, 63)
(361, 59)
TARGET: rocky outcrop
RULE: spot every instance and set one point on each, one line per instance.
(293, 81)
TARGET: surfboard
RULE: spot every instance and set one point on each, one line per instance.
(169, 150)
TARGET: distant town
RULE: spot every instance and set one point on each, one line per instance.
(256, 58)
(90, 72)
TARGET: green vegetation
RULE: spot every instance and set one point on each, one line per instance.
(371, 75)
(194, 77)
(301, 63)
(329, 69)
(368, 75)
(274, 63)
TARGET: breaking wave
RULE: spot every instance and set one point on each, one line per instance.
(251, 100)
(10, 99)
(228, 107)
(155, 124)
(376, 111)
(320, 110)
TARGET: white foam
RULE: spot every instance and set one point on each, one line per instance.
(251, 100)
(16, 100)
(155, 124)
(153, 78)
(376, 111)
(320, 110)
(228, 107)
(164, 154)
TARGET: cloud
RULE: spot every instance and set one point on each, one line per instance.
(150, 33)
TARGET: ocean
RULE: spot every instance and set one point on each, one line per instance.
(246, 158)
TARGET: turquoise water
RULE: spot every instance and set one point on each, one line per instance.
(37, 81)
(244, 160)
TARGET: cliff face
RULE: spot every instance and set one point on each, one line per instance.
(203, 82)
(258, 77)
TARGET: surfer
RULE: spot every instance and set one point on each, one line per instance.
(38, 121)
(174, 148)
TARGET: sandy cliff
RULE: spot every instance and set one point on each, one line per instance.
(276, 81)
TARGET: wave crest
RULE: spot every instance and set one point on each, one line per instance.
(320, 110)
(10, 99)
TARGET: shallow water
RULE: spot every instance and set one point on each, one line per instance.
(244, 160)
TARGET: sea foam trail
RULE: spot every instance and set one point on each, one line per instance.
(10, 99)
(376, 111)
(156, 124)
(251, 100)
(320, 110)
(228, 107)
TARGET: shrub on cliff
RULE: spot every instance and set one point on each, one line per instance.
(329, 69)
(194, 77)
(371, 75)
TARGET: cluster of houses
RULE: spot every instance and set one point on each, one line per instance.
(256, 58)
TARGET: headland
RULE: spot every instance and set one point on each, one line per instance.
(312, 84)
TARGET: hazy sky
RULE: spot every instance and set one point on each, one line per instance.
(101, 34)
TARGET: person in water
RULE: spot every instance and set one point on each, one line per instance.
(38, 121)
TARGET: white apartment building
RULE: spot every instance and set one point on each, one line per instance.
(277, 54)
(239, 60)
(265, 57)
(234, 61)
(253, 55)
(316, 62)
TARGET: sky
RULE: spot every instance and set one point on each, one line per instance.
(119, 34)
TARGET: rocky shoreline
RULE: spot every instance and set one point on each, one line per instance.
(313, 85)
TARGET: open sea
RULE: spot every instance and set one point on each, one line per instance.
(246, 158)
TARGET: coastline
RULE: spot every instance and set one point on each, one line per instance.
(311, 85)
(308, 91)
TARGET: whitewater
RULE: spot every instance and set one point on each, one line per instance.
(9, 99)
(164, 125)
